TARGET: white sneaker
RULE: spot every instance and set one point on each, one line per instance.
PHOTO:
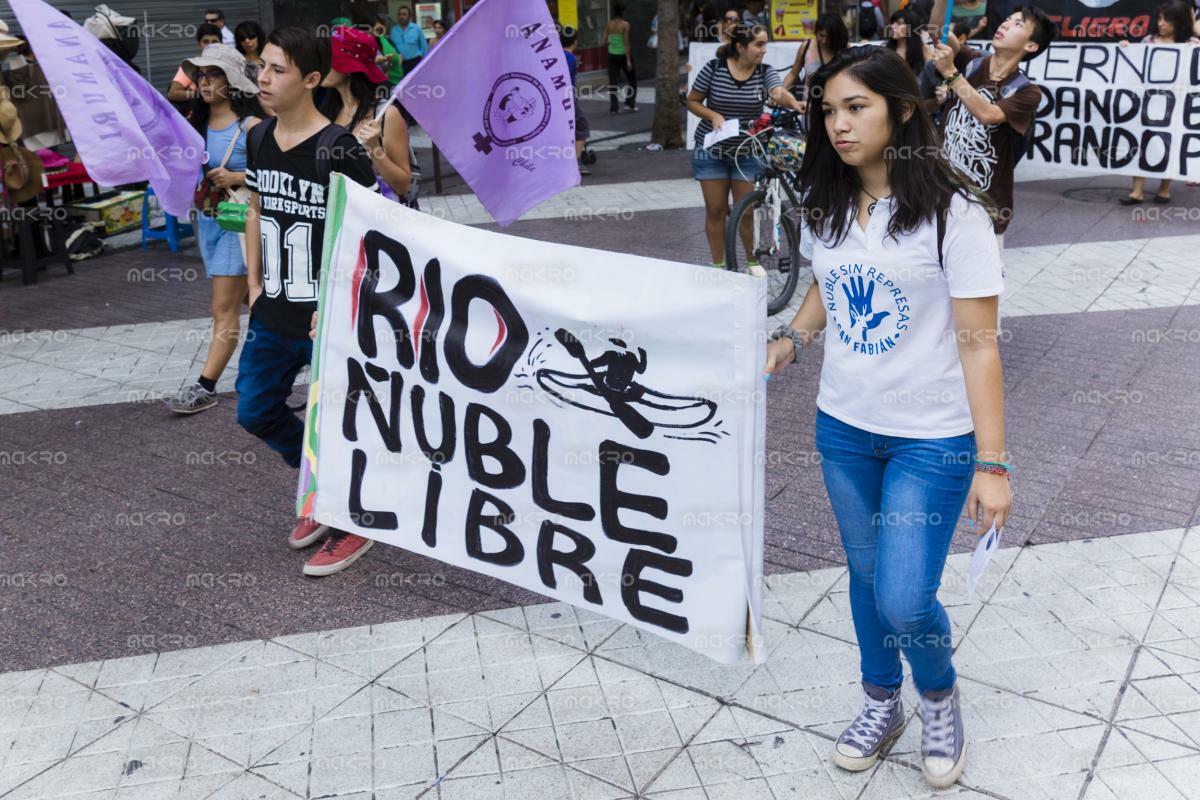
(757, 270)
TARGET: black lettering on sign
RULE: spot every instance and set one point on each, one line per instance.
(376, 520)
(1166, 107)
(1191, 110)
(1042, 133)
(513, 550)
(445, 450)
(510, 344)
(430, 319)
(573, 560)
(372, 302)
(358, 387)
(633, 585)
(612, 499)
(541, 480)
(512, 471)
(1092, 58)
(1189, 149)
(433, 493)
(1159, 142)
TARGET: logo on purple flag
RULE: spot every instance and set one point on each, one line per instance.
(509, 130)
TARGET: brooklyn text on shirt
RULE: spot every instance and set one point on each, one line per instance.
(288, 194)
(868, 308)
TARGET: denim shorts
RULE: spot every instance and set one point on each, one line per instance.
(710, 166)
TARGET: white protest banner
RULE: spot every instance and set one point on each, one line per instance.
(1132, 110)
(580, 423)
(779, 57)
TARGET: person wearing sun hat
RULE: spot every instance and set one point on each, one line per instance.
(225, 109)
(357, 92)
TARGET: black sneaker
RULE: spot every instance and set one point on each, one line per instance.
(584, 169)
(880, 723)
(192, 399)
(943, 747)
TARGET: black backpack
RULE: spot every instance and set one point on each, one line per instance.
(868, 26)
(1021, 141)
(325, 144)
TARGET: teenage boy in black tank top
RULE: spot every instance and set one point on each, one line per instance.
(288, 178)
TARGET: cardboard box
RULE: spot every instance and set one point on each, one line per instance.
(120, 212)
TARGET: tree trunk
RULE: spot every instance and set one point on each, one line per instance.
(667, 120)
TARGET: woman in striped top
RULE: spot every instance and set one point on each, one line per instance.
(734, 85)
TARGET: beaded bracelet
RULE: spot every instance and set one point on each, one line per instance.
(993, 467)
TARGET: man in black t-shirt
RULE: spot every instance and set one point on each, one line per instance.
(287, 172)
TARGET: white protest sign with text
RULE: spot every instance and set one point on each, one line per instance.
(580, 423)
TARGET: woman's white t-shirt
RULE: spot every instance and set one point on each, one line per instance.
(891, 355)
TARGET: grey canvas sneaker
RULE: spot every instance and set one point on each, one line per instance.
(880, 723)
(192, 399)
(943, 746)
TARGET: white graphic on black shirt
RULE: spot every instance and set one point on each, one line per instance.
(969, 145)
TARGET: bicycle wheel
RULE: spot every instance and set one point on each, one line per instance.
(764, 231)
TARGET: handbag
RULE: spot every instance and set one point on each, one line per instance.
(208, 196)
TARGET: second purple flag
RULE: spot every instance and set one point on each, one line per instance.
(495, 97)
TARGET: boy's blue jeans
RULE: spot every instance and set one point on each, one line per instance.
(269, 364)
(897, 502)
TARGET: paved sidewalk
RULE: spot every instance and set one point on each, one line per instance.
(1079, 667)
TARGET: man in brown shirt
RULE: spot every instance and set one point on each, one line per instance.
(992, 104)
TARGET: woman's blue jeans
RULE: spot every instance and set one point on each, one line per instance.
(897, 502)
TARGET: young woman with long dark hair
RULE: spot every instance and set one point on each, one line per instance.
(734, 85)
(359, 90)
(250, 38)
(225, 108)
(831, 38)
(910, 412)
(904, 38)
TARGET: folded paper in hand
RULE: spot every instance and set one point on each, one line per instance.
(728, 129)
(988, 544)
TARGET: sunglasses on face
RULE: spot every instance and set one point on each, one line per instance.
(211, 20)
(209, 74)
(731, 19)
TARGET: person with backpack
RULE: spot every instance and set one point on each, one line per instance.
(733, 86)
(906, 284)
(870, 20)
(988, 118)
(288, 162)
(224, 112)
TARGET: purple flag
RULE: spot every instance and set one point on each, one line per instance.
(495, 96)
(123, 129)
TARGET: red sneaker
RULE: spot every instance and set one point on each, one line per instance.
(340, 550)
(306, 532)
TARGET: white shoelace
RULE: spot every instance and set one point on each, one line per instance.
(870, 723)
(937, 728)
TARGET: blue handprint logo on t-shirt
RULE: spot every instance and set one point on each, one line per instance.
(860, 293)
(859, 326)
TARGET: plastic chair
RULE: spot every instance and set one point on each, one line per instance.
(172, 231)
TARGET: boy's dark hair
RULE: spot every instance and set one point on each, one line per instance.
(1044, 30)
(304, 49)
(205, 29)
(568, 36)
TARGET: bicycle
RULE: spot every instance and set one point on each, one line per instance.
(765, 221)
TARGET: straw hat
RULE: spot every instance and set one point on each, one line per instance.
(231, 62)
(10, 123)
(8, 41)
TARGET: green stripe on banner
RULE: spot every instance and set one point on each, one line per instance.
(334, 211)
